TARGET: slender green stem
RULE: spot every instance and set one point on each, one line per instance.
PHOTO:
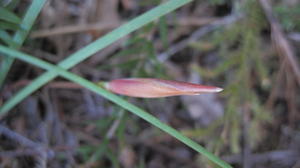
(117, 100)
(92, 48)
(21, 35)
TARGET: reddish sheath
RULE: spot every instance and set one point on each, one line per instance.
(153, 88)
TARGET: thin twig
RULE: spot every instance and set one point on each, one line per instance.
(25, 142)
(18, 153)
(106, 26)
(73, 29)
(294, 36)
(194, 21)
(196, 35)
(278, 81)
(280, 157)
(110, 133)
(55, 85)
(245, 138)
(17, 137)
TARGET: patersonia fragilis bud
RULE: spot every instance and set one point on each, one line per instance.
(154, 88)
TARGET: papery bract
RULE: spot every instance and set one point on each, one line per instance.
(153, 88)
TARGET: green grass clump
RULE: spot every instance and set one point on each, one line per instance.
(10, 21)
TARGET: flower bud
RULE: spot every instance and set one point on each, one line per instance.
(153, 88)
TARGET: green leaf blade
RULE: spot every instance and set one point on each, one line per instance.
(9, 16)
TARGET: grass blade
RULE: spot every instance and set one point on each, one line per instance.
(6, 38)
(117, 100)
(8, 26)
(21, 35)
(9, 16)
(94, 47)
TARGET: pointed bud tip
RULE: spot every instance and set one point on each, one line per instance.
(210, 90)
(218, 89)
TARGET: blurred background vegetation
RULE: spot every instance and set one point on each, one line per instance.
(237, 45)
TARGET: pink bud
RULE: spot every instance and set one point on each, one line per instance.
(152, 88)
